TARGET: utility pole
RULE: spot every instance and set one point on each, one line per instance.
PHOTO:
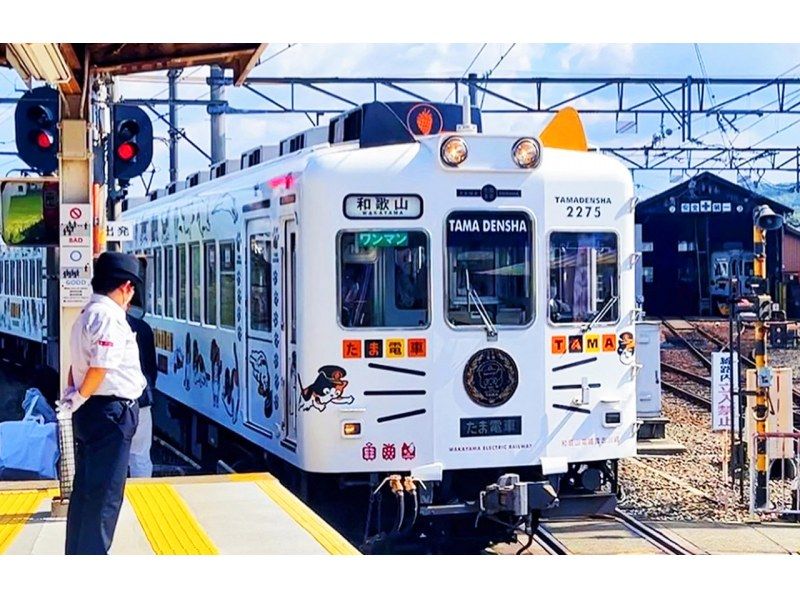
(472, 79)
(173, 75)
(216, 83)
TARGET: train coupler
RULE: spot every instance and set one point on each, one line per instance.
(510, 495)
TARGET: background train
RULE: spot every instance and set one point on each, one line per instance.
(401, 298)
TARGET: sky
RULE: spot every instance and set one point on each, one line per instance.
(454, 60)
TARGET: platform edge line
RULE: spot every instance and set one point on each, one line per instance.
(331, 540)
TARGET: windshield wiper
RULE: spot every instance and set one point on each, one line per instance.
(491, 329)
(600, 314)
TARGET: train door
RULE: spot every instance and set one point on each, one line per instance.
(289, 303)
(261, 348)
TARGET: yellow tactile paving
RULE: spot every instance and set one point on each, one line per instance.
(15, 509)
(328, 537)
(169, 525)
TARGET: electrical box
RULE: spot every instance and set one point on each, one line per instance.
(779, 417)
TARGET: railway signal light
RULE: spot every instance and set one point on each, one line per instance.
(36, 128)
(132, 142)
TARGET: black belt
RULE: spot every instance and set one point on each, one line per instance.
(111, 398)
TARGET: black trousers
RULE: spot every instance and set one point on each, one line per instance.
(103, 428)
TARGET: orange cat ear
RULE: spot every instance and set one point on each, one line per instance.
(565, 131)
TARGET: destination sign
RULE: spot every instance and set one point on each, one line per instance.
(382, 239)
(376, 207)
(472, 427)
(506, 228)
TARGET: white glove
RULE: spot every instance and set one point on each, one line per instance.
(70, 401)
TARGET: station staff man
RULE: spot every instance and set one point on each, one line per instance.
(105, 379)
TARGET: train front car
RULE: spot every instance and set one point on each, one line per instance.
(466, 313)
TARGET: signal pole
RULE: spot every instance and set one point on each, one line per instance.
(75, 189)
(173, 75)
(764, 219)
(217, 114)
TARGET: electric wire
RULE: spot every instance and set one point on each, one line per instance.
(466, 70)
(491, 70)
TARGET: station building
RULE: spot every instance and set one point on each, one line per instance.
(693, 235)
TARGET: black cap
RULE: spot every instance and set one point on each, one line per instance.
(113, 265)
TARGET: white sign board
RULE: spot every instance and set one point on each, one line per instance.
(721, 391)
(75, 255)
(119, 231)
(377, 207)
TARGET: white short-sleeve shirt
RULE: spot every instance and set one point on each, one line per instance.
(101, 337)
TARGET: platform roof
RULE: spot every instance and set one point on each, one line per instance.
(125, 59)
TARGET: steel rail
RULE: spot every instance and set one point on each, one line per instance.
(549, 542)
(651, 534)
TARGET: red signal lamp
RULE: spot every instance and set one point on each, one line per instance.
(44, 140)
(127, 151)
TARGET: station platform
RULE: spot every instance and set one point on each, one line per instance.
(216, 514)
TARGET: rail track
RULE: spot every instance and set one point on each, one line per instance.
(617, 533)
(651, 534)
(687, 393)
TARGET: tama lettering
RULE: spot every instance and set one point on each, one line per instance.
(590, 201)
(474, 225)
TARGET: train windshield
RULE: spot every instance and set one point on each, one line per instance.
(583, 277)
(383, 279)
(489, 268)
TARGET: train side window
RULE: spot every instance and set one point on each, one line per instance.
(195, 272)
(383, 279)
(149, 282)
(181, 255)
(584, 277)
(489, 268)
(227, 284)
(211, 282)
(169, 281)
(158, 276)
(34, 279)
(260, 282)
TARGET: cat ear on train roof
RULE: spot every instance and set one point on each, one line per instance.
(565, 131)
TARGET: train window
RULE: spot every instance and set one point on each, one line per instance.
(211, 283)
(181, 255)
(489, 268)
(158, 276)
(195, 272)
(583, 277)
(383, 279)
(149, 282)
(34, 279)
(260, 282)
(169, 282)
(227, 284)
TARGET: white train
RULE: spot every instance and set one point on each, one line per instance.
(23, 304)
(400, 293)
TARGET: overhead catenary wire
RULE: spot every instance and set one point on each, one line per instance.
(466, 70)
(491, 70)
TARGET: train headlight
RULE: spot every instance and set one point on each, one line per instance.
(351, 429)
(454, 151)
(527, 152)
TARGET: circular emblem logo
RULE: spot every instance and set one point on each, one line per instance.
(424, 119)
(491, 377)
